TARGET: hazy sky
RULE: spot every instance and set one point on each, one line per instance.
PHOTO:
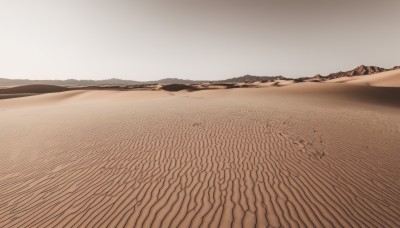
(194, 39)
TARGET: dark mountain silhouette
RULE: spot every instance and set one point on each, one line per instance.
(178, 87)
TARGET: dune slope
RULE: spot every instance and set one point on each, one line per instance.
(290, 156)
(33, 89)
(385, 79)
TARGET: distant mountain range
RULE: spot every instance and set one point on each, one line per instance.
(251, 78)
(358, 71)
(69, 82)
(74, 82)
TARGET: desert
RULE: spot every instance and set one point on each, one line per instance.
(199, 113)
(270, 154)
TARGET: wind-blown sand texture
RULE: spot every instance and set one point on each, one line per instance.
(307, 154)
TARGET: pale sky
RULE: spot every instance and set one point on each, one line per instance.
(194, 39)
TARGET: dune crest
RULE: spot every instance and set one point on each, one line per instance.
(385, 79)
(38, 89)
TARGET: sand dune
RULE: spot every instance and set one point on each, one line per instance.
(33, 89)
(304, 154)
(385, 79)
(15, 95)
(29, 90)
(307, 154)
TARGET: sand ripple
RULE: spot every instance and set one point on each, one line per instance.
(198, 160)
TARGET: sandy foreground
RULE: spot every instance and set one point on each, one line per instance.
(302, 155)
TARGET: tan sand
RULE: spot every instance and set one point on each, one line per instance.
(306, 154)
(385, 79)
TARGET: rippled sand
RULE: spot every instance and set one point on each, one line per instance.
(310, 154)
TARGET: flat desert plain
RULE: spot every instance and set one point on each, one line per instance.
(301, 155)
